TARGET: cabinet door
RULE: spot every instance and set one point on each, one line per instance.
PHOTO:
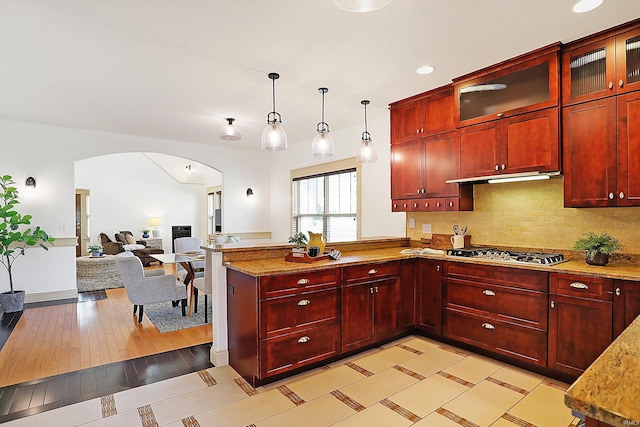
(385, 308)
(405, 121)
(479, 150)
(438, 112)
(407, 315)
(588, 72)
(357, 316)
(579, 331)
(589, 150)
(531, 142)
(628, 193)
(626, 304)
(439, 165)
(628, 61)
(406, 170)
(429, 283)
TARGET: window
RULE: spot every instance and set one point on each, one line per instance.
(327, 203)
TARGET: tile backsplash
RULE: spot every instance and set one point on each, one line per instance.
(531, 215)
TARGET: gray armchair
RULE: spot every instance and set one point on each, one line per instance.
(149, 288)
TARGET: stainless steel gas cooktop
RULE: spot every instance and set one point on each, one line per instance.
(494, 254)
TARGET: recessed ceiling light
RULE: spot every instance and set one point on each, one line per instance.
(586, 5)
(361, 5)
(425, 69)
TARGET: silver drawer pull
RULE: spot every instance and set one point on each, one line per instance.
(373, 271)
(303, 302)
(488, 293)
(303, 282)
(304, 339)
(488, 326)
(578, 285)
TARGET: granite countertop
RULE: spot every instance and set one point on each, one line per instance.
(609, 390)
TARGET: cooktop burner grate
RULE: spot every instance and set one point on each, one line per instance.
(509, 256)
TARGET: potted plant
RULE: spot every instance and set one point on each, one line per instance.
(597, 247)
(299, 239)
(95, 249)
(14, 242)
(145, 233)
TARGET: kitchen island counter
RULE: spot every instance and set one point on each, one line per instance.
(609, 389)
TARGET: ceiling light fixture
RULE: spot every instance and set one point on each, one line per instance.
(322, 145)
(366, 152)
(586, 5)
(230, 132)
(425, 69)
(361, 5)
(274, 138)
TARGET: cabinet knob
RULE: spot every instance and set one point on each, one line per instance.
(376, 288)
(504, 166)
(438, 204)
(418, 191)
(620, 82)
(578, 285)
(426, 204)
(499, 115)
(373, 271)
(488, 293)
(418, 130)
(415, 205)
(621, 195)
(488, 326)
(303, 282)
(610, 85)
(611, 196)
(437, 268)
(422, 191)
(370, 290)
(395, 206)
(497, 168)
(618, 292)
(553, 304)
(404, 205)
(304, 302)
(304, 339)
(421, 130)
(450, 204)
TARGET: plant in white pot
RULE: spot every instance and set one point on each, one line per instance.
(15, 240)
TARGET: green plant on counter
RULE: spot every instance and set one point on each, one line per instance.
(299, 239)
(592, 243)
(94, 247)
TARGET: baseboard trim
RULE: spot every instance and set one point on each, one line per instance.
(51, 296)
(219, 358)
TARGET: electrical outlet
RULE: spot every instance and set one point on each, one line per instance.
(412, 223)
(426, 228)
(61, 226)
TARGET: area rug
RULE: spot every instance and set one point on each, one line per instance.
(168, 318)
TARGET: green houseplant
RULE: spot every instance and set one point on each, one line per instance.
(95, 249)
(597, 247)
(14, 241)
(300, 239)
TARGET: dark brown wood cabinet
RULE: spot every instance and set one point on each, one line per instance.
(500, 309)
(428, 113)
(407, 298)
(369, 304)
(626, 304)
(580, 321)
(429, 295)
(602, 152)
(602, 65)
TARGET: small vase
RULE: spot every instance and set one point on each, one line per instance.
(598, 259)
(145, 235)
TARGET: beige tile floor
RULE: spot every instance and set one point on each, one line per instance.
(410, 382)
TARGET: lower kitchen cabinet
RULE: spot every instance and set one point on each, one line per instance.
(626, 304)
(429, 295)
(369, 304)
(580, 321)
(407, 298)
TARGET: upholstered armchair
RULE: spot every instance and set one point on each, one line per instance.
(148, 288)
(193, 244)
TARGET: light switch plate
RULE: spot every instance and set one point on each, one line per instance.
(412, 223)
(426, 228)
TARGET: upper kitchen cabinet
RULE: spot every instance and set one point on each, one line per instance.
(602, 65)
(425, 114)
(602, 152)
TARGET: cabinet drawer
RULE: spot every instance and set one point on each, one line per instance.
(598, 288)
(368, 272)
(287, 352)
(523, 343)
(510, 304)
(507, 276)
(286, 314)
(284, 284)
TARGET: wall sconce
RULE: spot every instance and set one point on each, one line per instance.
(30, 182)
(188, 168)
(249, 192)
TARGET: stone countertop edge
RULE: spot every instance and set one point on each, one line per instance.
(609, 390)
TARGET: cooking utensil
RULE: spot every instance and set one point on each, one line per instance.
(463, 231)
(456, 229)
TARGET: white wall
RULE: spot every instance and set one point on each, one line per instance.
(49, 154)
(377, 218)
(127, 189)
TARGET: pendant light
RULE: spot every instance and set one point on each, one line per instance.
(322, 145)
(230, 132)
(274, 138)
(366, 152)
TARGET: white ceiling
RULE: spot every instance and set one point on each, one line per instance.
(174, 69)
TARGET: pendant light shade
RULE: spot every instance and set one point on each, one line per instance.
(366, 152)
(230, 132)
(322, 145)
(274, 138)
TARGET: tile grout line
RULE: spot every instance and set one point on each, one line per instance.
(455, 418)
(517, 421)
(400, 410)
(347, 401)
(359, 369)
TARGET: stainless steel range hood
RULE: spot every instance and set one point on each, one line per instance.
(507, 177)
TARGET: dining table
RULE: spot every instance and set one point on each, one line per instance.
(186, 260)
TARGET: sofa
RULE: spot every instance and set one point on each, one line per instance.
(115, 243)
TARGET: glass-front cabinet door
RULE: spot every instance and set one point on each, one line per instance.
(608, 66)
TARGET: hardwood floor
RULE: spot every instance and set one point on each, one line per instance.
(58, 339)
